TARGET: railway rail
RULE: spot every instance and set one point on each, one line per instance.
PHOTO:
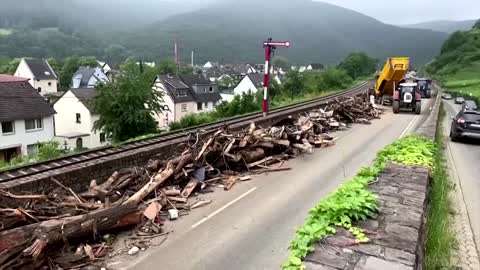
(98, 153)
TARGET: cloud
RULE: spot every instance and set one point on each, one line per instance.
(413, 11)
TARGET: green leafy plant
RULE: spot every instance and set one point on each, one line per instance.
(352, 201)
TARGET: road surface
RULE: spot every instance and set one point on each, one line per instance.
(464, 159)
(250, 226)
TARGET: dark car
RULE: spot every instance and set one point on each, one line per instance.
(469, 105)
(459, 100)
(465, 124)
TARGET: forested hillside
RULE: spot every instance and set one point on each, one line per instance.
(458, 64)
(227, 31)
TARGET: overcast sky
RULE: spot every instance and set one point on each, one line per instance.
(413, 11)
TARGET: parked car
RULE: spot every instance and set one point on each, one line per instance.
(469, 105)
(446, 96)
(459, 100)
(465, 124)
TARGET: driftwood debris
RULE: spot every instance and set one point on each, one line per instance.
(33, 226)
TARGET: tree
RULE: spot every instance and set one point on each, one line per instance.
(126, 106)
(358, 64)
(9, 66)
(70, 66)
(294, 84)
(227, 82)
(167, 66)
(280, 61)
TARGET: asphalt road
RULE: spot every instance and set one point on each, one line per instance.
(464, 159)
(250, 226)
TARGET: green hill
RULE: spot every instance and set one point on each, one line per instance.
(458, 64)
(319, 32)
(444, 25)
(225, 31)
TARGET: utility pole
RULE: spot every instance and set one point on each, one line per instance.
(270, 47)
(192, 58)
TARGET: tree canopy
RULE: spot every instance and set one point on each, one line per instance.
(126, 105)
(358, 64)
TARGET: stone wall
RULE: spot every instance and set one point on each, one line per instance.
(78, 176)
(430, 125)
(397, 234)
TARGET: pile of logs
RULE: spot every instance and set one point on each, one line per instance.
(33, 227)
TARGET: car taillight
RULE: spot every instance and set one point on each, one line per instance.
(460, 121)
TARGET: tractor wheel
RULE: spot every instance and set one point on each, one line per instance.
(396, 106)
(418, 107)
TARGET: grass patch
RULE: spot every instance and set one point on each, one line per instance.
(465, 82)
(439, 234)
(352, 201)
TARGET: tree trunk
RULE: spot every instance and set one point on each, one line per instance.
(153, 184)
(33, 239)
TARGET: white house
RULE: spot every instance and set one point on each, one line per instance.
(183, 95)
(209, 64)
(26, 118)
(40, 74)
(178, 101)
(106, 68)
(250, 82)
(314, 66)
(75, 118)
(88, 77)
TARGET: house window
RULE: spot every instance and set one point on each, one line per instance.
(206, 105)
(210, 89)
(184, 107)
(199, 106)
(49, 84)
(39, 89)
(7, 128)
(79, 118)
(33, 124)
(38, 80)
(32, 149)
(102, 137)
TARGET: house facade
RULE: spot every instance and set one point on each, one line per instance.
(88, 77)
(40, 74)
(75, 119)
(250, 82)
(183, 95)
(26, 118)
(204, 91)
(178, 101)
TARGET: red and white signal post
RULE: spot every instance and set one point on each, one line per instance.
(270, 47)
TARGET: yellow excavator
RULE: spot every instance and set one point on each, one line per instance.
(390, 86)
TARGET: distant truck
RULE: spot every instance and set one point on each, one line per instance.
(392, 74)
(424, 87)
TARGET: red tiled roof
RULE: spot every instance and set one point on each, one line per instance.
(11, 78)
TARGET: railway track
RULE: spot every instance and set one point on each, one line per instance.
(91, 155)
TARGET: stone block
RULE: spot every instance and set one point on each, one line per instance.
(413, 193)
(369, 225)
(314, 266)
(405, 218)
(374, 263)
(368, 249)
(328, 256)
(400, 256)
